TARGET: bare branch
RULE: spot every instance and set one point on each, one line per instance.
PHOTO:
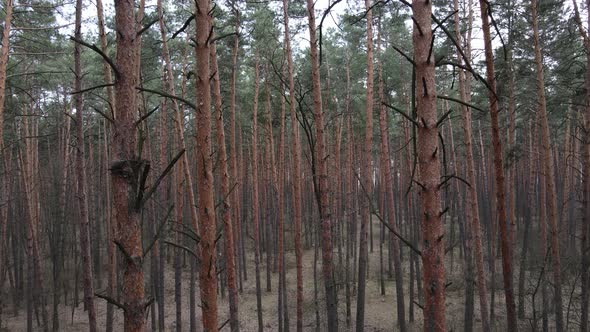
(158, 232)
(166, 95)
(103, 114)
(581, 29)
(402, 113)
(184, 26)
(376, 213)
(147, 26)
(460, 102)
(191, 252)
(147, 115)
(110, 300)
(100, 52)
(404, 55)
(161, 177)
(92, 88)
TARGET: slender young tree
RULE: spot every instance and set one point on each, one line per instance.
(255, 202)
(322, 177)
(4, 179)
(367, 177)
(472, 210)
(228, 233)
(111, 227)
(498, 170)
(296, 171)
(586, 177)
(548, 170)
(388, 192)
(429, 170)
(233, 153)
(84, 234)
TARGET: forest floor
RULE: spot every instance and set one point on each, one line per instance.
(380, 310)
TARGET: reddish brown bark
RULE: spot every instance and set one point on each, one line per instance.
(228, 233)
(178, 122)
(233, 153)
(111, 267)
(296, 171)
(366, 179)
(429, 170)
(472, 210)
(255, 201)
(8, 8)
(498, 172)
(387, 191)
(81, 177)
(126, 166)
(282, 294)
(548, 171)
(29, 164)
(269, 180)
(586, 177)
(350, 208)
(322, 177)
(207, 273)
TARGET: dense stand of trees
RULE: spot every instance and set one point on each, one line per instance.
(369, 164)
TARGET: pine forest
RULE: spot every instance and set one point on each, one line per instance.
(294, 165)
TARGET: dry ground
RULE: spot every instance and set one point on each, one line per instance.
(380, 310)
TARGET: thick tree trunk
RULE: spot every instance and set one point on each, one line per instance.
(207, 270)
(499, 172)
(127, 167)
(429, 170)
(322, 178)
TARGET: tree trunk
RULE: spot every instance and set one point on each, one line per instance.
(296, 171)
(388, 194)
(228, 234)
(429, 170)
(322, 177)
(499, 172)
(207, 270)
(127, 167)
(366, 178)
(233, 153)
(255, 201)
(472, 210)
(8, 8)
(548, 171)
(111, 253)
(585, 279)
(81, 177)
